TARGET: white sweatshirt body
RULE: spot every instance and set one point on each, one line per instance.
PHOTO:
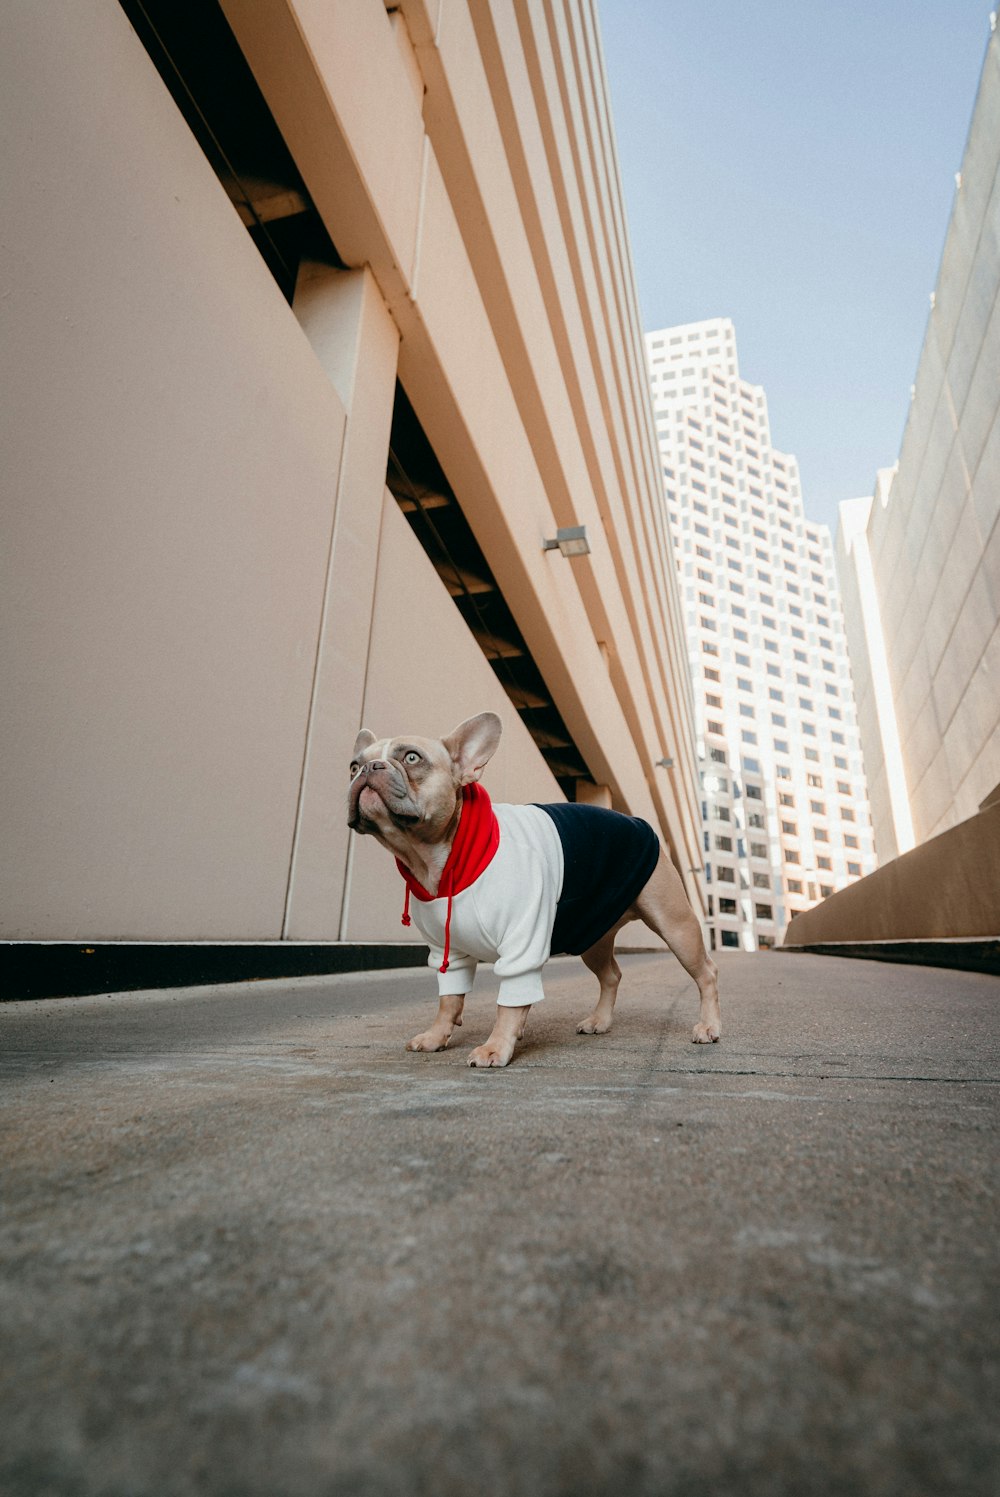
(506, 916)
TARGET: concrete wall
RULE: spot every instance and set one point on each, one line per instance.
(171, 449)
(204, 590)
(947, 887)
(933, 536)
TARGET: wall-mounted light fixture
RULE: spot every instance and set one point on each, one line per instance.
(571, 542)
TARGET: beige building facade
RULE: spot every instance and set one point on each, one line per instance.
(318, 320)
(920, 561)
(919, 565)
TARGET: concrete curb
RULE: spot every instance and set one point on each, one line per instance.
(74, 969)
(970, 953)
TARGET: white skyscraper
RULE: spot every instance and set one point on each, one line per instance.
(785, 805)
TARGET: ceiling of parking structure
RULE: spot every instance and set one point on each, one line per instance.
(194, 51)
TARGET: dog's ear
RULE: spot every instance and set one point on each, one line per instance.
(472, 745)
(364, 740)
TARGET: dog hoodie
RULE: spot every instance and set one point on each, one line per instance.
(524, 882)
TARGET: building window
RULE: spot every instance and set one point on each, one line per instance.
(764, 912)
(761, 881)
(727, 906)
(726, 875)
(730, 937)
(854, 869)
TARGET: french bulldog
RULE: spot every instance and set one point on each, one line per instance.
(513, 884)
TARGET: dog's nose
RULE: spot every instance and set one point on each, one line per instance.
(375, 764)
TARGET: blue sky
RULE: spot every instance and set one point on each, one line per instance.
(791, 165)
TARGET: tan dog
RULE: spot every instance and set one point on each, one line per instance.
(506, 883)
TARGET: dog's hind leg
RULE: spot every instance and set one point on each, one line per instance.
(665, 908)
(600, 958)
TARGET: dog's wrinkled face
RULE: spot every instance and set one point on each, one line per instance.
(410, 786)
(406, 783)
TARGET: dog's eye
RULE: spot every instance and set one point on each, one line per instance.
(411, 758)
(355, 766)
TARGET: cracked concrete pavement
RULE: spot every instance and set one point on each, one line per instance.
(249, 1245)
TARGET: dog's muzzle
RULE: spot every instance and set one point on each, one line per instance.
(391, 789)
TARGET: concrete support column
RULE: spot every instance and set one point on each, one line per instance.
(589, 794)
(357, 342)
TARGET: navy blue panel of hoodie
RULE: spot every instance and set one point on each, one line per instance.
(608, 859)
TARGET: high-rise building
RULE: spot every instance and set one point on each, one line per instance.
(785, 806)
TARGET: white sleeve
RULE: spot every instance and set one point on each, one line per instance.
(520, 919)
(461, 973)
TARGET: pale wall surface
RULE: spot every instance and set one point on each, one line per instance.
(869, 729)
(892, 821)
(935, 544)
(199, 469)
(170, 449)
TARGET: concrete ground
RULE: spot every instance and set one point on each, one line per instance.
(249, 1245)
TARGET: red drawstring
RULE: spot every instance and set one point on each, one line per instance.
(405, 920)
(447, 937)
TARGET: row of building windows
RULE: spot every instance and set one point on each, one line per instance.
(725, 874)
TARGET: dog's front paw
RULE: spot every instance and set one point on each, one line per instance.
(493, 1053)
(430, 1040)
(595, 1023)
(706, 1034)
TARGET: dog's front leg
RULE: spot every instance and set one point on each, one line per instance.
(507, 1030)
(449, 1017)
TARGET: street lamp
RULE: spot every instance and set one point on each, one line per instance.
(571, 541)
